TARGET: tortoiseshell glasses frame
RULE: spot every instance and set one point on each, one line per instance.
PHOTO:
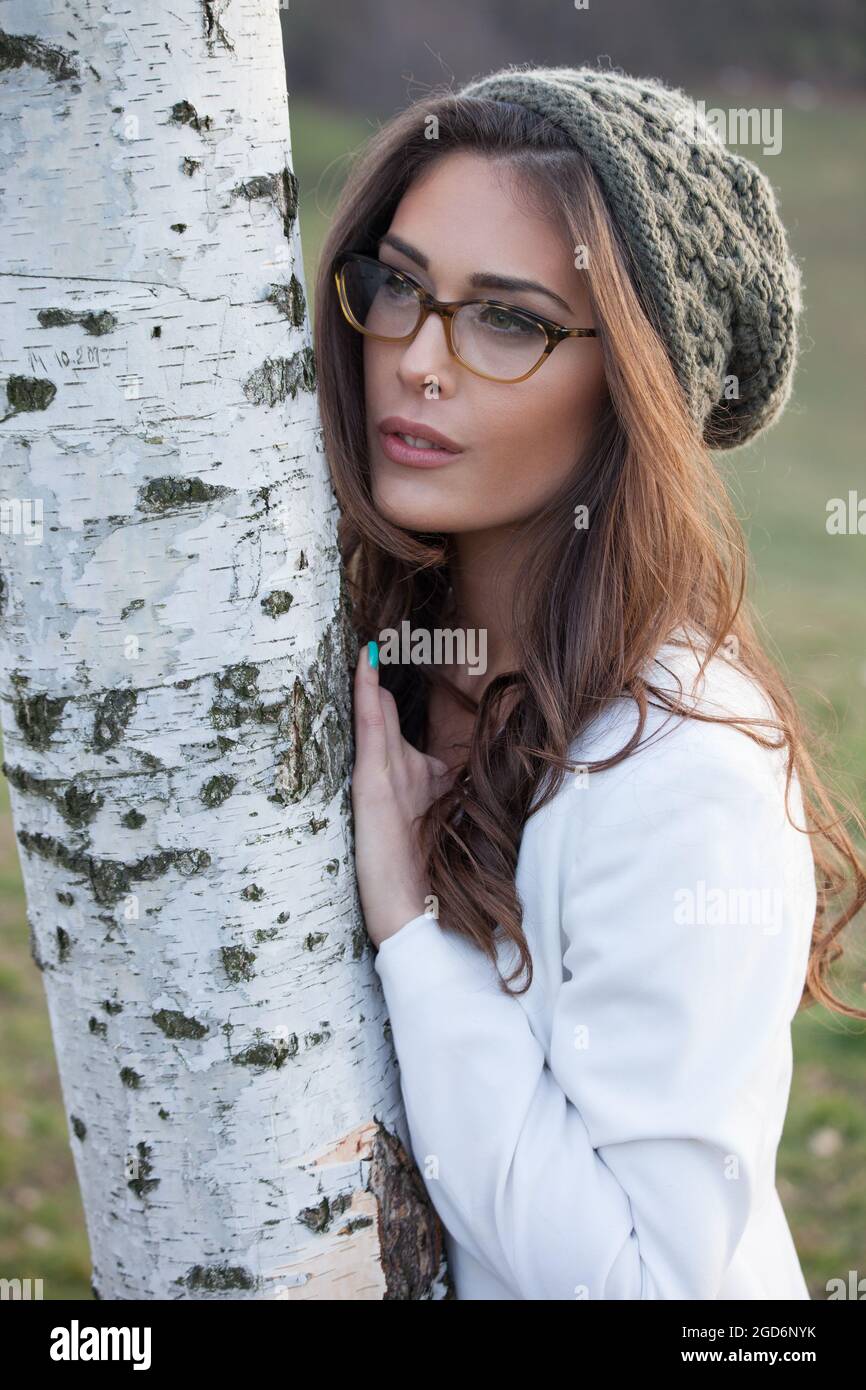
(554, 333)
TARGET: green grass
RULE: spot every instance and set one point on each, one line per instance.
(809, 591)
(41, 1217)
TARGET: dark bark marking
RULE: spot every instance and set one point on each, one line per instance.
(277, 603)
(177, 1025)
(217, 789)
(280, 377)
(26, 50)
(109, 879)
(213, 29)
(38, 717)
(267, 1052)
(25, 393)
(77, 803)
(97, 324)
(168, 493)
(316, 758)
(113, 713)
(184, 113)
(410, 1233)
(143, 1183)
(217, 1278)
(281, 189)
(289, 300)
(355, 1224)
(320, 1217)
(238, 963)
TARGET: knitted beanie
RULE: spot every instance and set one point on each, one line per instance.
(704, 232)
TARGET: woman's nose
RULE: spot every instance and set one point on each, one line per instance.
(427, 355)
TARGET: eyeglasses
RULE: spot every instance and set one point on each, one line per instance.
(494, 340)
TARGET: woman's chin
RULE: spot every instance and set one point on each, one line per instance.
(416, 513)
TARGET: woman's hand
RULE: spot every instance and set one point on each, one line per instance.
(392, 784)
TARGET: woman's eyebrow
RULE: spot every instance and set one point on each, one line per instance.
(481, 279)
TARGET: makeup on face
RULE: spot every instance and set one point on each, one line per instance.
(417, 445)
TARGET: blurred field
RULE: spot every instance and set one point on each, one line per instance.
(810, 592)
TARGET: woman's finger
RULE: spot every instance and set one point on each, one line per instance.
(371, 734)
(393, 731)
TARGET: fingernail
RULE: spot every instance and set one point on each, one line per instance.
(373, 654)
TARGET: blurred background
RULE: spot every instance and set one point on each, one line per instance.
(351, 64)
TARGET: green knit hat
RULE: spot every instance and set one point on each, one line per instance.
(704, 232)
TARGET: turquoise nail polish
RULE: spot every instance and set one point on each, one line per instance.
(373, 654)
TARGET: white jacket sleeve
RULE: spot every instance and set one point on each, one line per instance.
(628, 1166)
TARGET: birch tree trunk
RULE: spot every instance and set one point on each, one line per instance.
(175, 671)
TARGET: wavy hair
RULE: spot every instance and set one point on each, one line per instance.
(664, 550)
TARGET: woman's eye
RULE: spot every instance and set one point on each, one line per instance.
(398, 289)
(504, 322)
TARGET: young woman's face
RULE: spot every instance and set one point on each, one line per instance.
(521, 440)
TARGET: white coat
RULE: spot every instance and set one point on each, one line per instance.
(612, 1133)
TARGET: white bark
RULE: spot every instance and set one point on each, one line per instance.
(175, 685)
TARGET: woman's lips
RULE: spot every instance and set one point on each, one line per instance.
(399, 451)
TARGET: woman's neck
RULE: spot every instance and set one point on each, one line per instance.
(483, 568)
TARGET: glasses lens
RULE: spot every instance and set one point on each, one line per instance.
(379, 301)
(498, 342)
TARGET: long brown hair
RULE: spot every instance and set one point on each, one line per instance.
(664, 549)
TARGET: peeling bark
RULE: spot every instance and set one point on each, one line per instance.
(174, 672)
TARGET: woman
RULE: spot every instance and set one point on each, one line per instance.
(613, 808)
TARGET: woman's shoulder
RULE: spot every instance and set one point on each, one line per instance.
(695, 800)
(708, 692)
(684, 757)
